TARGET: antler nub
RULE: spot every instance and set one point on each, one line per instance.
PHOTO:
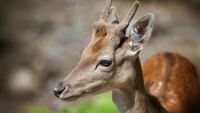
(130, 14)
(106, 10)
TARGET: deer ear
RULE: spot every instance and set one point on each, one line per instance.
(140, 34)
(113, 17)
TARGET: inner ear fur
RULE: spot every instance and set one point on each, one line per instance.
(140, 33)
(143, 27)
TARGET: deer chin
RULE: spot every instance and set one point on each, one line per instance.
(71, 98)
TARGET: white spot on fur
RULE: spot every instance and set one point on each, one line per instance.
(159, 86)
(172, 101)
(131, 43)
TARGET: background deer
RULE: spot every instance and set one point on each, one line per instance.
(111, 62)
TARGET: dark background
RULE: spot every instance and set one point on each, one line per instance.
(42, 40)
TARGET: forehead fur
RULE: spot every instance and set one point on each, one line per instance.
(99, 44)
(104, 36)
(95, 48)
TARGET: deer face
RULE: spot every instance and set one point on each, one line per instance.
(103, 61)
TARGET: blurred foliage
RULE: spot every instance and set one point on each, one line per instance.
(103, 104)
(36, 109)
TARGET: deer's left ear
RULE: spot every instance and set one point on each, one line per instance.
(113, 17)
(140, 34)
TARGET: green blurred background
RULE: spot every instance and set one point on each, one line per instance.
(42, 40)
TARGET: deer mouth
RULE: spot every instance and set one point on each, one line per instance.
(71, 98)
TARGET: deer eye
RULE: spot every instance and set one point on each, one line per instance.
(105, 63)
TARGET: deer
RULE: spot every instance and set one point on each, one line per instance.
(167, 83)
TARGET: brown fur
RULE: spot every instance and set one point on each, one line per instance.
(179, 92)
(100, 44)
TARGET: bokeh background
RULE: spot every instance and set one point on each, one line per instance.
(42, 40)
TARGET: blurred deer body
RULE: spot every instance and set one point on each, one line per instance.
(173, 81)
(111, 62)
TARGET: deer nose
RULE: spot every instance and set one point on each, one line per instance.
(58, 92)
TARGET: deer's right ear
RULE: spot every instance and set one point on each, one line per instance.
(140, 34)
(113, 17)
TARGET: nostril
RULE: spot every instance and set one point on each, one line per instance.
(59, 92)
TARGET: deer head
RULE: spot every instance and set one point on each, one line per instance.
(103, 62)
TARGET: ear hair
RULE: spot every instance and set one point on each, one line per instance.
(113, 17)
(140, 34)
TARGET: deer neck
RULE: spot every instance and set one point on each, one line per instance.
(133, 98)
